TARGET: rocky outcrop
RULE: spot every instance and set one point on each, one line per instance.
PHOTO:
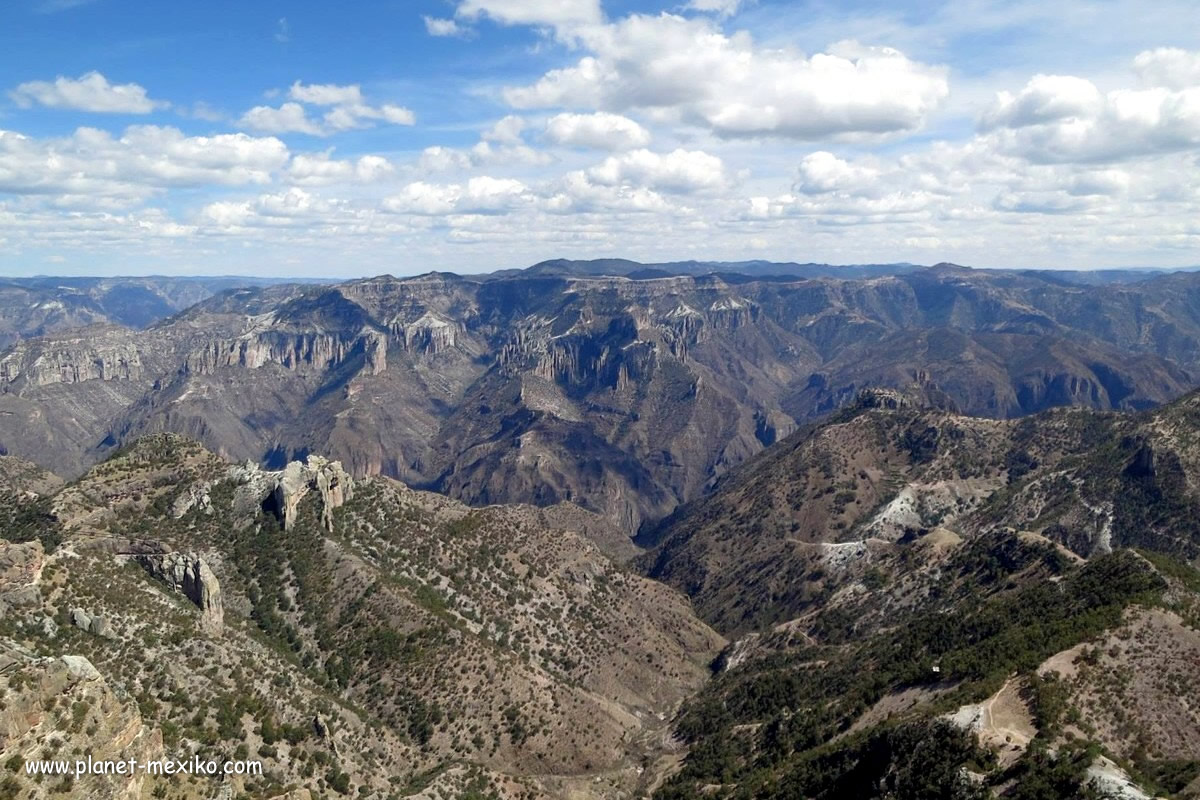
(111, 728)
(92, 623)
(327, 478)
(291, 351)
(195, 496)
(190, 575)
(20, 568)
(430, 334)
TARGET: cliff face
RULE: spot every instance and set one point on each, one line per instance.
(94, 354)
(45, 306)
(628, 396)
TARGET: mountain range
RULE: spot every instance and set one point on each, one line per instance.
(628, 396)
(909, 533)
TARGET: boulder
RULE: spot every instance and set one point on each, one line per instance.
(92, 623)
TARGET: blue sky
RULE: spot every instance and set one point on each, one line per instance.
(296, 138)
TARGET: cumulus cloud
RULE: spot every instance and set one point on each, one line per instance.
(506, 131)
(690, 69)
(823, 172)
(1063, 119)
(287, 118)
(319, 169)
(347, 110)
(532, 12)
(483, 154)
(482, 194)
(600, 131)
(1171, 67)
(88, 92)
(288, 208)
(1046, 98)
(578, 192)
(501, 144)
(680, 171)
(141, 161)
(326, 94)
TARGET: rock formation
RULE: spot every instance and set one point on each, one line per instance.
(106, 354)
(92, 623)
(20, 567)
(297, 479)
(111, 728)
(189, 574)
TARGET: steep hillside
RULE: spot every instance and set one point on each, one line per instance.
(1033, 676)
(887, 470)
(351, 633)
(930, 605)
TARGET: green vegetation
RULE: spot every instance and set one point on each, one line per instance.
(800, 700)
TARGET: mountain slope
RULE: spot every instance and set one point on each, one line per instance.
(356, 633)
(930, 605)
(887, 470)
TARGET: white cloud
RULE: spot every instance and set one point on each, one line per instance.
(1170, 67)
(823, 172)
(347, 111)
(318, 169)
(680, 171)
(287, 118)
(288, 208)
(482, 154)
(145, 159)
(1046, 98)
(692, 70)
(326, 94)
(88, 92)
(435, 26)
(577, 192)
(501, 144)
(440, 159)
(480, 195)
(601, 131)
(506, 131)
(533, 12)
(1058, 120)
(1067, 119)
(724, 8)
